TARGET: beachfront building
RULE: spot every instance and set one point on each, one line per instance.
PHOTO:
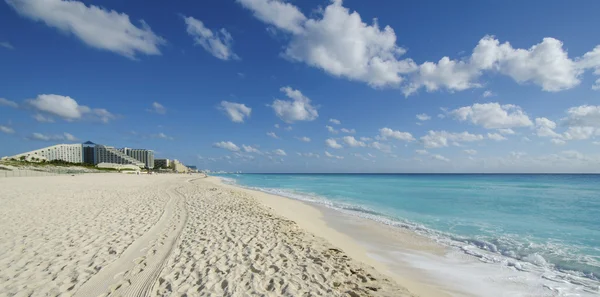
(72, 153)
(142, 155)
(162, 163)
(179, 167)
(109, 154)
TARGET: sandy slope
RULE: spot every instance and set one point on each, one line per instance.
(168, 235)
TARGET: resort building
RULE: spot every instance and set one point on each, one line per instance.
(72, 153)
(179, 167)
(162, 163)
(109, 154)
(142, 155)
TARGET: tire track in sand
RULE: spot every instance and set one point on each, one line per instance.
(135, 272)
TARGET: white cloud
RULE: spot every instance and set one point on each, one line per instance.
(279, 152)
(59, 137)
(545, 128)
(304, 139)
(440, 158)
(437, 139)
(352, 142)
(272, 134)
(596, 142)
(488, 93)
(579, 133)
(331, 130)
(7, 45)
(557, 141)
(236, 112)
(298, 109)
(250, 149)
(218, 44)
(162, 135)
(334, 121)
(386, 148)
(421, 152)
(585, 115)
(506, 131)
(282, 15)
(423, 117)
(592, 60)
(330, 142)
(545, 64)
(95, 26)
(365, 139)
(276, 126)
(67, 108)
(6, 102)
(470, 152)
(389, 133)
(349, 131)
(496, 136)
(493, 115)
(228, 145)
(309, 155)
(337, 41)
(328, 155)
(158, 108)
(288, 128)
(7, 130)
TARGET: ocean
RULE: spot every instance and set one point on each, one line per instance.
(542, 225)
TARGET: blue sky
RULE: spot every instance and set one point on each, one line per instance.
(429, 86)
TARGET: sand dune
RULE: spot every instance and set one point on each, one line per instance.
(166, 235)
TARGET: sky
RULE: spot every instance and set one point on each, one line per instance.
(309, 86)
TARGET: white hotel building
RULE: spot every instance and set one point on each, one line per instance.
(66, 152)
(74, 153)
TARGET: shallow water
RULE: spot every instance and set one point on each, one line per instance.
(547, 224)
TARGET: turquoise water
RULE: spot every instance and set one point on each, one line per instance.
(550, 221)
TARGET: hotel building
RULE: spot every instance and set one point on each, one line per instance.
(72, 153)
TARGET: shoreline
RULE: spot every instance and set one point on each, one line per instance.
(448, 269)
(311, 217)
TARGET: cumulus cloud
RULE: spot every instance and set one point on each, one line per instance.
(386, 148)
(506, 131)
(97, 27)
(332, 143)
(389, 133)
(250, 149)
(488, 93)
(349, 131)
(352, 142)
(365, 139)
(297, 109)
(545, 64)
(236, 112)
(158, 108)
(437, 139)
(579, 133)
(7, 130)
(423, 117)
(228, 145)
(585, 115)
(309, 155)
(331, 130)
(58, 137)
(496, 136)
(162, 135)
(337, 41)
(440, 158)
(279, 152)
(67, 108)
(557, 141)
(272, 134)
(218, 44)
(545, 128)
(6, 102)
(329, 155)
(334, 121)
(470, 152)
(304, 139)
(493, 115)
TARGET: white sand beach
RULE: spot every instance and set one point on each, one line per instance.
(175, 235)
